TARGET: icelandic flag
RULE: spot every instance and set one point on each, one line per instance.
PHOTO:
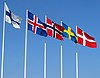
(12, 18)
(35, 25)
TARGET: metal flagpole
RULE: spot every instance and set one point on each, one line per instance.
(76, 61)
(45, 60)
(76, 57)
(45, 56)
(25, 44)
(3, 37)
(61, 58)
(61, 63)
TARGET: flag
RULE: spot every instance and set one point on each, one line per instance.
(85, 39)
(12, 18)
(54, 30)
(69, 33)
(35, 25)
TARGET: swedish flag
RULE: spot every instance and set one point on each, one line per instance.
(69, 33)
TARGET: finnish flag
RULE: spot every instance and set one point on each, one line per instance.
(12, 18)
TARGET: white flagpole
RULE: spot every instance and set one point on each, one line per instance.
(61, 58)
(25, 44)
(76, 57)
(3, 37)
(45, 60)
(45, 56)
(76, 62)
(61, 63)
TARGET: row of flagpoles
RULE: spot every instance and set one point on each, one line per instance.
(45, 29)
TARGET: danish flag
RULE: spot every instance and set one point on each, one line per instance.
(84, 39)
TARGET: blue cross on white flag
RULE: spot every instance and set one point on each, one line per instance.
(12, 18)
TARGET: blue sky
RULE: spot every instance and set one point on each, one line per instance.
(84, 13)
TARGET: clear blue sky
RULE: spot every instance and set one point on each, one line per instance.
(84, 13)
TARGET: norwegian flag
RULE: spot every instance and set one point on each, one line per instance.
(84, 39)
(53, 29)
(35, 25)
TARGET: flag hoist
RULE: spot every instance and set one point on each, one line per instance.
(25, 55)
(3, 39)
(34, 25)
(45, 55)
(61, 67)
(70, 34)
(45, 60)
(15, 21)
(84, 39)
(76, 58)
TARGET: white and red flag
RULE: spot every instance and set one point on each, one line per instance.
(85, 39)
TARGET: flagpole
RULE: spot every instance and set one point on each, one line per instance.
(3, 39)
(45, 55)
(45, 60)
(61, 58)
(76, 62)
(25, 45)
(61, 63)
(76, 57)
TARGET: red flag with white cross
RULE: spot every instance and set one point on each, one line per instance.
(85, 39)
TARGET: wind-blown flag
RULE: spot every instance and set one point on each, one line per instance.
(69, 33)
(53, 29)
(12, 18)
(84, 39)
(35, 25)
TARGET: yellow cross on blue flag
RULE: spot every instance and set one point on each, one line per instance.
(69, 33)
